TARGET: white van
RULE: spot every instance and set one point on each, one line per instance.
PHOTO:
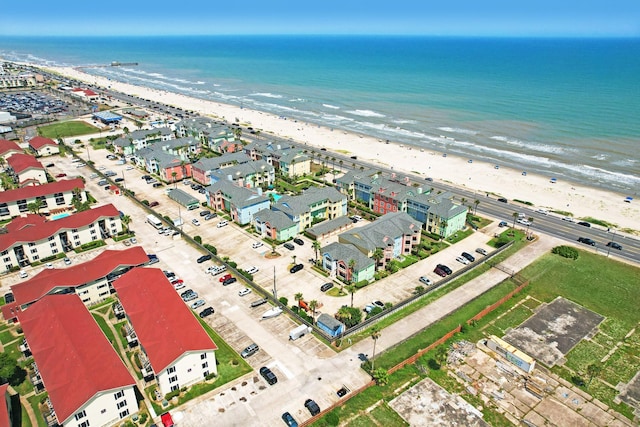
(299, 332)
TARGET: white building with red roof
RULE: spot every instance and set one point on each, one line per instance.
(179, 350)
(32, 237)
(26, 169)
(85, 94)
(9, 148)
(6, 415)
(55, 196)
(87, 382)
(91, 280)
(44, 146)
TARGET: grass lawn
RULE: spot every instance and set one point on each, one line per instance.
(34, 401)
(66, 129)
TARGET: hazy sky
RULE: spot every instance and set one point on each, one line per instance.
(444, 17)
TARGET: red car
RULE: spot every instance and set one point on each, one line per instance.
(153, 204)
(225, 277)
(60, 175)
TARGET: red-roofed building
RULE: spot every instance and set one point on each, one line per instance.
(85, 94)
(90, 280)
(53, 196)
(6, 417)
(9, 148)
(26, 169)
(32, 237)
(179, 350)
(44, 146)
(87, 382)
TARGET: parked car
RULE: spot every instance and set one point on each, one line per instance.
(462, 260)
(187, 292)
(445, 269)
(195, 222)
(615, 245)
(23, 274)
(49, 165)
(210, 216)
(298, 241)
(269, 376)
(178, 285)
(61, 175)
(8, 297)
(440, 272)
(222, 223)
(197, 304)
(256, 245)
(426, 281)
(190, 297)
(157, 184)
(586, 241)
(243, 292)
(118, 180)
(482, 251)
(67, 261)
(468, 256)
(289, 246)
(153, 204)
(325, 287)
(252, 270)
(584, 223)
(250, 350)
(296, 268)
(207, 312)
(289, 420)
(503, 224)
(203, 258)
(133, 240)
(204, 213)
(229, 281)
(378, 304)
(225, 277)
(312, 406)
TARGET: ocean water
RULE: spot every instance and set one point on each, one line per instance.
(567, 108)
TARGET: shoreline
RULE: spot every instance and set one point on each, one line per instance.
(483, 178)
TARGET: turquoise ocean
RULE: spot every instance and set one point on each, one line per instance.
(564, 108)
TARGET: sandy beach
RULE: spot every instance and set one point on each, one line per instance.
(580, 200)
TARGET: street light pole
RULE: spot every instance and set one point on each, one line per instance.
(611, 243)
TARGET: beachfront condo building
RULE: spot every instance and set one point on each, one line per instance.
(252, 174)
(395, 234)
(33, 238)
(49, 198)
(241, 203)
(315, 204)
(275, 225)
(288, 160)
(201, 170)
(139, 139)
(347, 263)
(87, 383)
(174, 348)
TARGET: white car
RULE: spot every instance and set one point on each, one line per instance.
(48, 266)
(178, 286)
(67, 261)
(129, 167)
(462, 260)
(23, 274)
(542, 211)
(197, 304)
(256, 245)
(426, 281)
(568, 219)
(222, 224)
(195, 222)
(252, 270)
(524, 222)
(245, 291)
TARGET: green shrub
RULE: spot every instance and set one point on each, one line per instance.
(361, 284)
(211, 248)
(565, 251)
(145, 202)
(172, 394)
(332, 419)
(198, 239)
(232, 264)
(284, 301)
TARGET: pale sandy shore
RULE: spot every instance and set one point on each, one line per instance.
(481, 178)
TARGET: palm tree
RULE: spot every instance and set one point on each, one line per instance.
(126, 220)
(476, 202)
(316, 247)
(298, 297)
(340, 162)
(515, 216)
(333, 162)
(174, 174)
(377, 255)
(530, 221)
(352, 290)
(313, 304)
(343, 314)
(375, 335)
(35, 207)
(351, 265)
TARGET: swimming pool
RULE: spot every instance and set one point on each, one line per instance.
(59, 216)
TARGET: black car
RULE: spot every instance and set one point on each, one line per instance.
(187, 292)
(269, 376)
(157, 184)
(298, 241)
(50, 165)
(296, 268)
(289, 246)
(118, 180)
(203, 258)
(615, 245)
(342, 392)
(146, 177)
(468, 256)
(502, 199)
(207, 312)
(229, 281)
(152, 259)
(312, 406)
(584, 223)
(204, 213)
(8, 297)
(445, 269)
(586, 241)
(326, 286)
